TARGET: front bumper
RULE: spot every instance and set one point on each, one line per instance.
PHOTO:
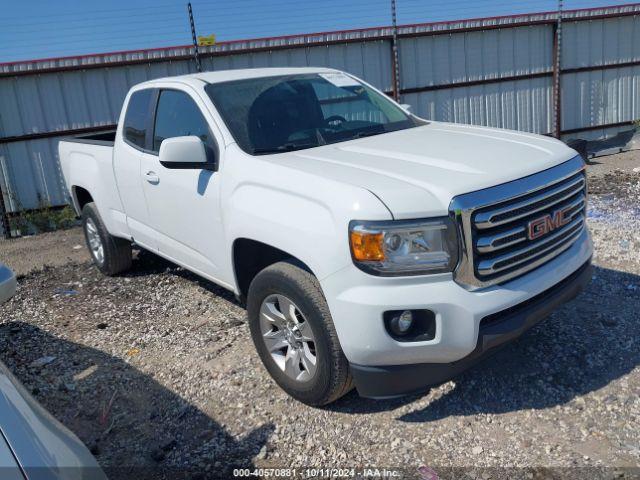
(7, 283)
(495, 330)
(357, 302)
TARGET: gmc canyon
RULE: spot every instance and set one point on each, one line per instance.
(372, 248)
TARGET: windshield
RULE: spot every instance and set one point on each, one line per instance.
(292, 112)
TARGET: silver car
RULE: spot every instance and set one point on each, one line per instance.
(33, 444)
(7, 283)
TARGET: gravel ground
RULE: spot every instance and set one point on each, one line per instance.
(156, 373)
(36, 252)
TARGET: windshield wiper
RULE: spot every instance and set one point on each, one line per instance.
(367, 133)
(287, 147)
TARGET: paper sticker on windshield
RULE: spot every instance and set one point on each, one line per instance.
(339, 79)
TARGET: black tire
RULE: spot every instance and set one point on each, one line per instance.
(332, 378)
(116, 251)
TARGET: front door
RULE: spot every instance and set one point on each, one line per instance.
(183, 204)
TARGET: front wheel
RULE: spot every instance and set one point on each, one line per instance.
(294, 334)
(111, 255)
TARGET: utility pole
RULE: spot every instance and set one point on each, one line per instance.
(195, 39)
(557, 64)
(394, 53)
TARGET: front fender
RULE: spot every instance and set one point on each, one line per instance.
(303, 215)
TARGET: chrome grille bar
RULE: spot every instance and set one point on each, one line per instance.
(512, 259)
(488, 219)
(498, 241)
(494, 224)
(495, 242)
(562, 246)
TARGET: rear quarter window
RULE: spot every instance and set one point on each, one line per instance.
(136, 118)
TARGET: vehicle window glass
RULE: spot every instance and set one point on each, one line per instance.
(177, 115)
(135, 120)
(293, 112)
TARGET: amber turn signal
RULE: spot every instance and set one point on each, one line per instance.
(367, 246)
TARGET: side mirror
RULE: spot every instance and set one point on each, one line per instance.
(406, 106)
(184, 153)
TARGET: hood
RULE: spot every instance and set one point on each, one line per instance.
(416, 172)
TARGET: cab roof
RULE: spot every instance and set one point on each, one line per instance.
(240, 74)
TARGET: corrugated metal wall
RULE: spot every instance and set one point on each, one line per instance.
(493, 72)
(77, 99)
(605, 96)
(477, 56)
(30, 171)
(517, 105)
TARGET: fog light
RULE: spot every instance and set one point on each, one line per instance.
(401, 324)
(410, 325)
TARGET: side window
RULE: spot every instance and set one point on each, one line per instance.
(178, 115)
(135, 121)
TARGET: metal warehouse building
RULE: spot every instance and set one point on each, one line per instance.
(495, 71)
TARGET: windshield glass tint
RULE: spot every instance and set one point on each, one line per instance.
(293, 112)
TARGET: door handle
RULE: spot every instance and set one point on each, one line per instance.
(152, 177)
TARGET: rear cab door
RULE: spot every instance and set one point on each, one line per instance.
(132, 140)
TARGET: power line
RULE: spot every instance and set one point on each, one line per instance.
(357, 11)
(226, 13)
(57, 53)
(240, 22)
(230, 26)
(240, 25)
(409, 7)
(238, 7)
(101, 21)
(155, 7)
(77, 39)
(139, 24)
(184, 35)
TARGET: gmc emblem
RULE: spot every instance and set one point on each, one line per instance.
(548, 223)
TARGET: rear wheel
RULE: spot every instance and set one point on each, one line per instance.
(112, 255)
(294, 334)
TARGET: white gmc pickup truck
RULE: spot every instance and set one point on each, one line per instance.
(372, 248)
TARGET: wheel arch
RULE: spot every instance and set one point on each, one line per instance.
(80, 196)
(250, 257)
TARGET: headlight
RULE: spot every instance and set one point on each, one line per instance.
(415, 247)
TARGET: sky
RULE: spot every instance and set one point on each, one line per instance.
(34, 29)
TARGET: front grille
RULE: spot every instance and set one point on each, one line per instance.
(494, 224)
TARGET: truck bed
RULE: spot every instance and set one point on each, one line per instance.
(87, 164)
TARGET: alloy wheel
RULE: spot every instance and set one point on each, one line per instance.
(288, 337)
(94, 240)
